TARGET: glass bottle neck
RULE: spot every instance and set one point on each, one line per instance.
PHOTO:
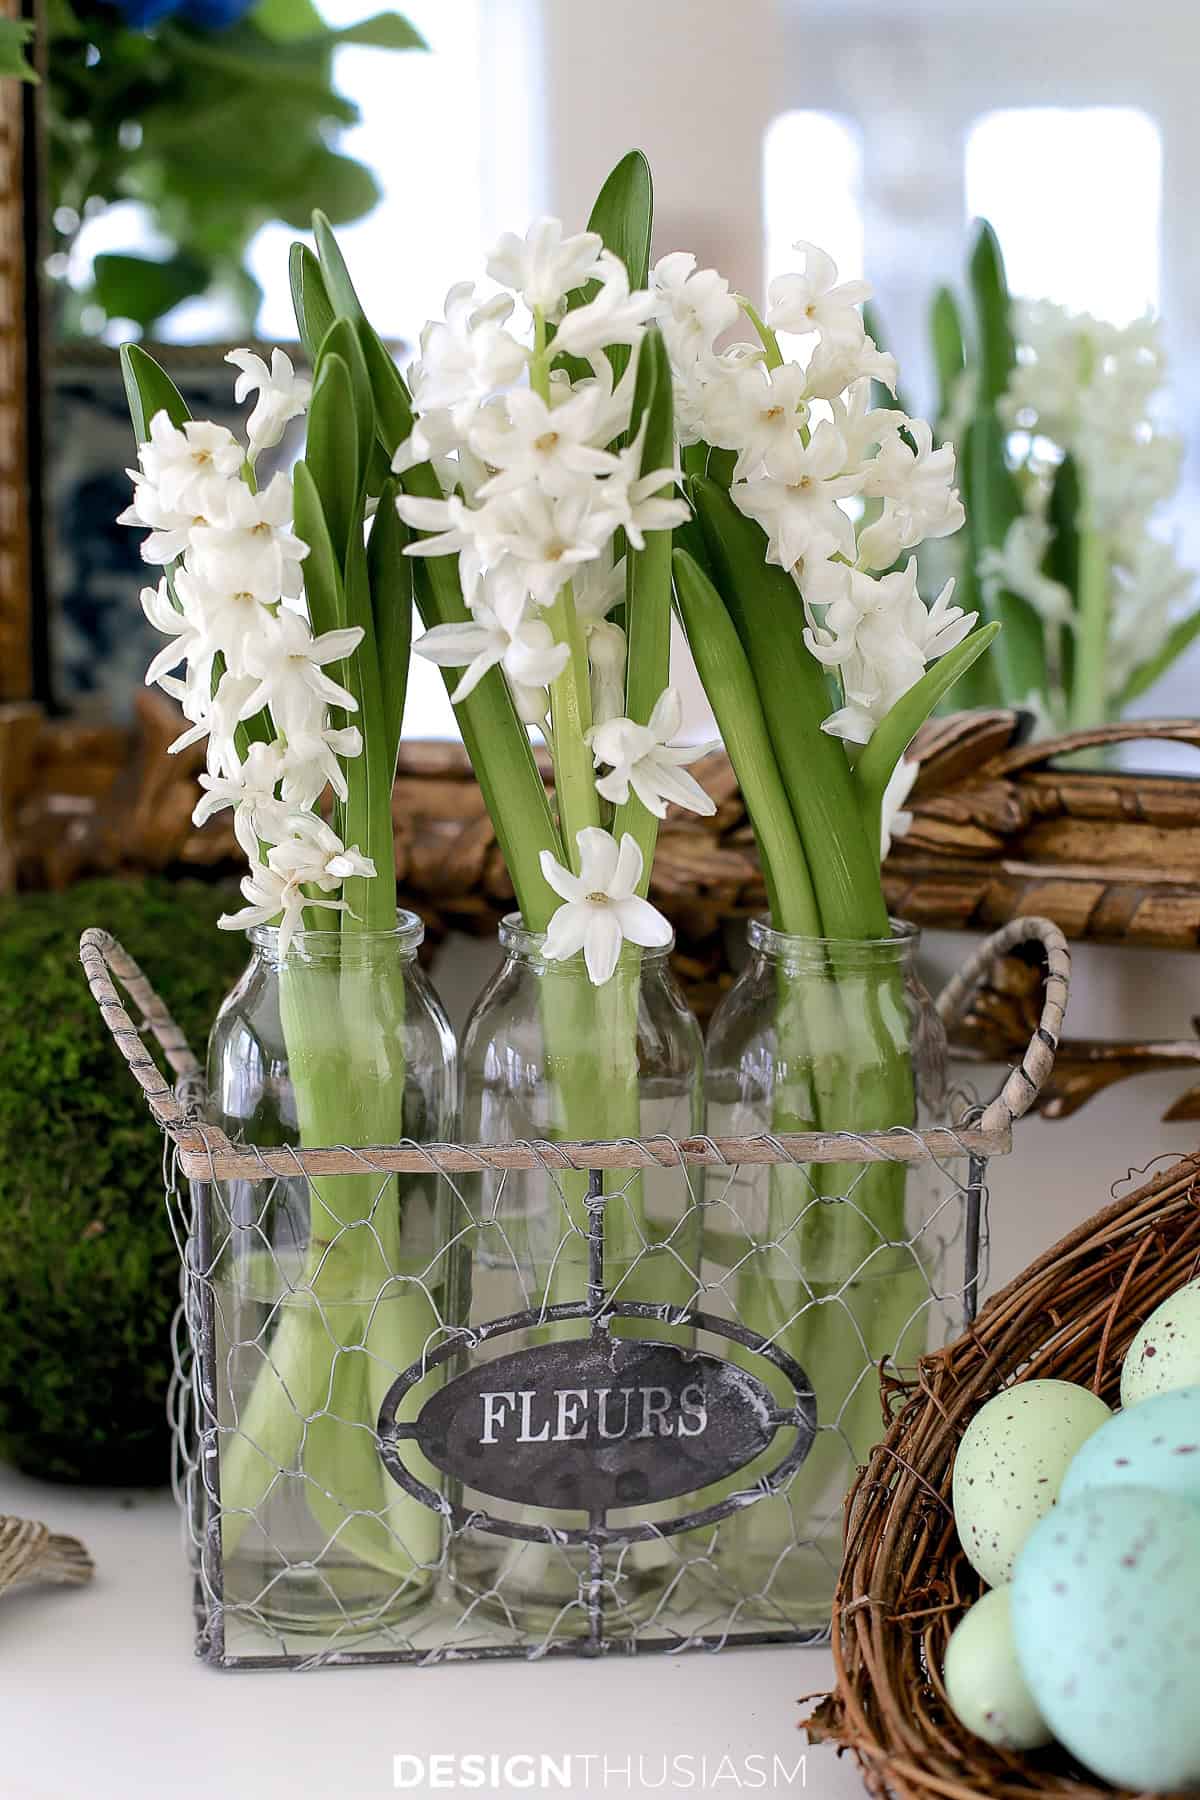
(526, 949)
(825, 956)
(345, 948)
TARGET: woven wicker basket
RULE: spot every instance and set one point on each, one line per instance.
(905, 1582)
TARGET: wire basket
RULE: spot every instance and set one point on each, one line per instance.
(590, 1509)
(905, 1583)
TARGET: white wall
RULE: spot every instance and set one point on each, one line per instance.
(693, 83)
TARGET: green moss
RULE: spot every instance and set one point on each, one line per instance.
(89, 1272)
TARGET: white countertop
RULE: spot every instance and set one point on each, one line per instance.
(101, 1699)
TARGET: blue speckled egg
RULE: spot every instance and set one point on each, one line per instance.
(1106, 1620)
(1165, 1354)
(1155, 1445)
(1010, 1466)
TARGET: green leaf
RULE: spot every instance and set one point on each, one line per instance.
(896, 731)
(648, 580)
(1179, 639)
(343, 189)
(498, 746)
(332, 453)
(989, 289)
(342, 340)
(141, 289)
(1063, 555)
(310, 302)
(949, 348)
(996, 504)
(15, 38)
(338, 285)
(624, 215)
(383, 31)
(367, 810)
(766, 609)
(391, 579)
(149, 390)
(288, 21)
(322, 567)
(393, 408)
(729, 684)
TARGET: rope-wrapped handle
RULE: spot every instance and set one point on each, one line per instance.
(1024, 1082)
(103, 958)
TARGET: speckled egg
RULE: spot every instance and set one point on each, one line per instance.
(984, 1683)
(1155, 1445)
(1165, 1353)
(1106, 1620)
(1010, 1466)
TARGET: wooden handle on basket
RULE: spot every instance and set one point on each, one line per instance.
(1026, 1080)
(102, 958)
(1131, 731)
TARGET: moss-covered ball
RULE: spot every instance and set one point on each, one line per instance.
(89, 1272)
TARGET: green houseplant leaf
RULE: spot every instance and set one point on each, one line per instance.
(989, 290)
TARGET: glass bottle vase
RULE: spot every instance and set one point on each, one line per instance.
(324, 1289)
(546, 1055)
(835, 1263)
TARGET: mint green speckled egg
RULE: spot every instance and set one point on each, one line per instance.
(1010, 1467)
(1165, 1354)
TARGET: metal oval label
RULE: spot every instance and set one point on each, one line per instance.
(594, 1423)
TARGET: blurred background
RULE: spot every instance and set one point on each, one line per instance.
(878, 128)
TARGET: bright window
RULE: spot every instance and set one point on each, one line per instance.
(1075, 195)
(812, 189)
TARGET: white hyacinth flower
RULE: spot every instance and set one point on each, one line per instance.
(642, 757)
(183, 625)
(465, 357)
(282, 395)
(181, 464)
(759, 413)
(311, 762)
(814, 300)
(313, 855)
(1016, 568)
(693, 306)
(253, 548)
(801, 517)
(249, 788)
(525, 440)
(544, 266)
(893, 821)
(272, 894)
(879, 634)
(288, 665)
(169, 532)
(494, 636)
(635, 502)
(615, 316)
(607, 656)
(601, 908)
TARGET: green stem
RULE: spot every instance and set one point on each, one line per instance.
(570, 720)
(1089, 695)
(773, 354)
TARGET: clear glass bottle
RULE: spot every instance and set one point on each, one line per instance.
(834, 1262)
(546, 1055)
(324, 1290)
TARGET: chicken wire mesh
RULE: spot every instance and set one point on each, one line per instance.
(661, 1576)
(397, 1474)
